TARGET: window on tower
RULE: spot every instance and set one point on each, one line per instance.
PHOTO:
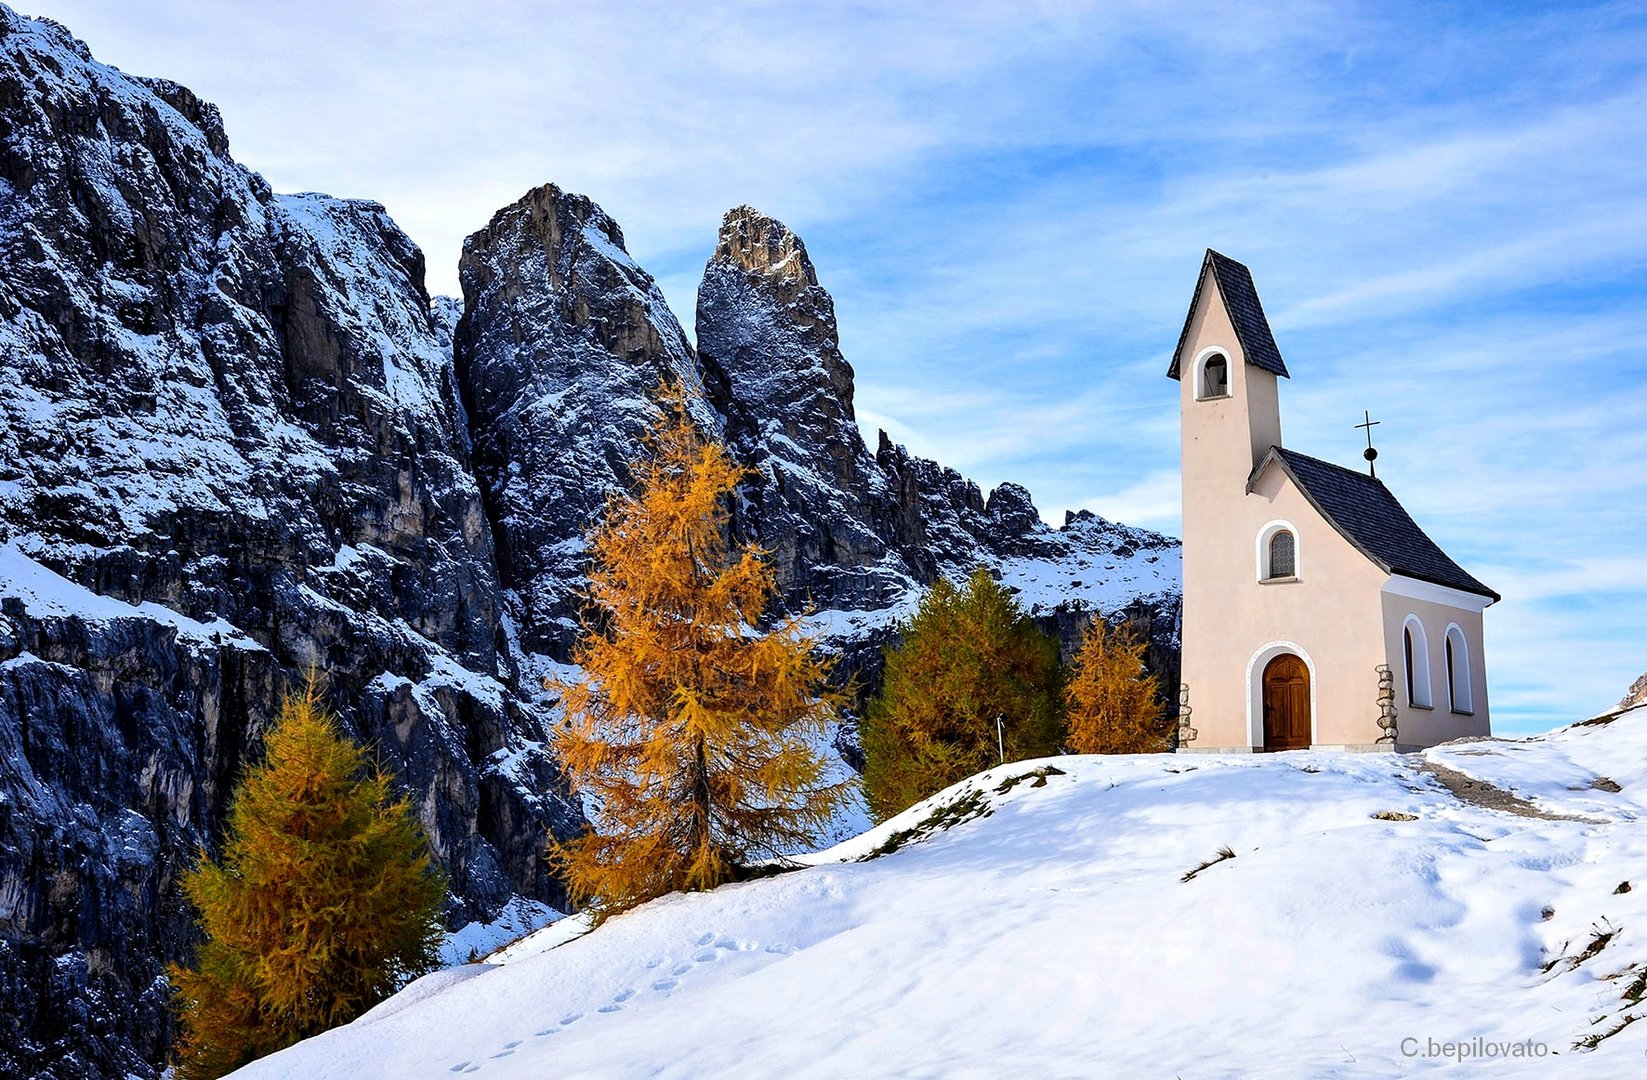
(1215, 377)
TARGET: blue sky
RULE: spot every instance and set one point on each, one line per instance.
(1444, 208)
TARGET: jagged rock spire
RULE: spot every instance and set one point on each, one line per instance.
(772, 364)
(562, 343)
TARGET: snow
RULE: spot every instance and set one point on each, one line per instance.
(46, 594)
(848, 625)
(1055, 935)
(518, 918)
(553, 937)
(595, 238)
(387, 683)
(1082, 569)
(447, 672)
(1560, 781)
(1093, 582)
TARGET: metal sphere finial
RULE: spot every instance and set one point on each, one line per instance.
(1369, 453)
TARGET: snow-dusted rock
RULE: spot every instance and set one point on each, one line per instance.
(859, 535)
(773, 367)
(227, 409)
(562, 345)
(1636, 695)
(563, 342)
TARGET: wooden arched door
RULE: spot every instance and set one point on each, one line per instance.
(1286, 704)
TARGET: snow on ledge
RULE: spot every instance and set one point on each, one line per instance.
(520, 918)
(47, 594)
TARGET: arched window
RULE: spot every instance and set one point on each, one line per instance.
(1276, 551)
(1283, 555)
(1415, 647)
(1458, 671)
(1215, 377)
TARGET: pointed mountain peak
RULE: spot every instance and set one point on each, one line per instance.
(562, 342)
(764, 247)
(550, 215)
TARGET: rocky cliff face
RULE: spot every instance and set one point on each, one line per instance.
(564, 340)
(238, 439)
(773, 367)
(561, 346)
(235, 411)
(1636, 695)
(858, 535)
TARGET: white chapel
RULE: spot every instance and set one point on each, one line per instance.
(1316, 612)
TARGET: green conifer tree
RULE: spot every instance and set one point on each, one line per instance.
(967, 658)
(323, 903)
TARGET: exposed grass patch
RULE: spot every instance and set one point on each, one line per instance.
(757, 871)
(1039, 775)
(1223, 854)
(1595, 1039)
(1592, 948)
(964, 807)
(1634, 991)
(1598, 941)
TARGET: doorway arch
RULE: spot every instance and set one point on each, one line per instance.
(1257, 665)
(1286, 695)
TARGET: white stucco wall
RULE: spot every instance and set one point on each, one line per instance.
(1436, 612)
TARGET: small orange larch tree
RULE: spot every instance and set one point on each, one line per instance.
(1112, 701)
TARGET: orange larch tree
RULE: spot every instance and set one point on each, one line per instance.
(1111, 700)
(694, 736)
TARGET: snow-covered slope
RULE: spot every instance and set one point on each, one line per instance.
(1050, 931)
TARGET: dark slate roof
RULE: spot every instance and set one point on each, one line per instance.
(1363, 510)
(1252, 329)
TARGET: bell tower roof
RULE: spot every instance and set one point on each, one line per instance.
(1234, 284)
